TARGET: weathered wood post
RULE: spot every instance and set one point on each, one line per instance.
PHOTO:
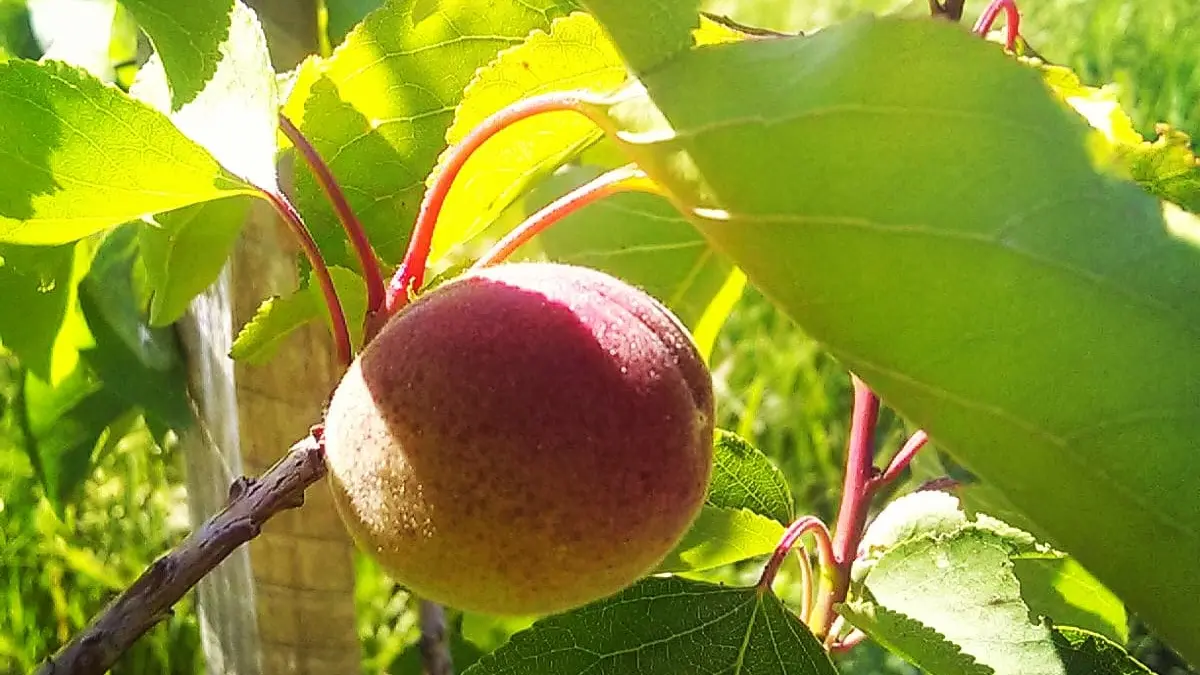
(285, 603)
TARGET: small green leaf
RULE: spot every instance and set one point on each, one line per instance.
(722, 536)
(188, 36)
(378, 109)
(138, 363)
(640, 238)
(185, 250)
(743, 478)
(911, 640)
(573, 54)
(277, 317)
(648, 33)
(80, 157)
(1085, 653)
(36, 279)
(664, 626)
(235, 115)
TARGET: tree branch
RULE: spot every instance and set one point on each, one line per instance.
(435, 640)
(252, 501)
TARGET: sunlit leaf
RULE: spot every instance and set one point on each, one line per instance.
(573, 54)
(235, 115)
(913, 641)
(58, 122)
(663, 624)
(378, 109)
(721, 536)
(37, 279)
(1061, 589)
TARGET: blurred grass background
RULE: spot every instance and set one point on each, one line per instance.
(775, 387)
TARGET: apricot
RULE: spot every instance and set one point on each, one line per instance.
(523, 439)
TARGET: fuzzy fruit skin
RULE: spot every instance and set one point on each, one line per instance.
(524, 439)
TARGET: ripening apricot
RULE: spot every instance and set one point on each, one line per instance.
(523, 439)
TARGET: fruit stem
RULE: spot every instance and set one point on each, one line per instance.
(849, 642)
(791, 536)
(627, 178)
(806, 583)
(1012, 21)
(341, 334)
(411, 274)
(856, 502)
(372, 274)
(900, 462)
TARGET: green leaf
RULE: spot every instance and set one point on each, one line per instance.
(1063, 590)
(80, 157)
(139, 363)
(188, 37)
(640, 238)
(911, 640)
(184, 252)
(1085, 653)
(660, 626)
(379, 108)
(743, 478)
(235, 115)
(1167, 167)
(277, 317)
(573, 54)
(37, 280)
(648, 33)
(64, 424)
(721, 536)
(922, 205)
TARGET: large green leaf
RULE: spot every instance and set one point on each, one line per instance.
(79, 156)
(1062, 589)
(188, 36)
(573, 54)
(922, 205)
(911, 640)
(378, 109)
(664, 626)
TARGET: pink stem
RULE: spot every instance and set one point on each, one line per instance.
(901, 461)
(341, 334)
(1012, 21)
(856, 502)
(624, 179)
(372, 275)
(791, 536)
(411, 274)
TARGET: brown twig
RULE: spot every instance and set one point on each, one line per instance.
(252, 501)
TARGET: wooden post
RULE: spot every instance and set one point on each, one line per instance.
(285, 603)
